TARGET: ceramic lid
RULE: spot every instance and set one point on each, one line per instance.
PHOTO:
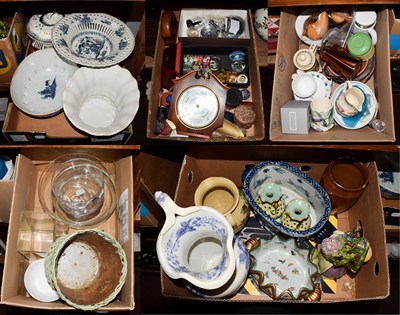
(359, 44)
(304, 59)
(365, 19)
(40, 25)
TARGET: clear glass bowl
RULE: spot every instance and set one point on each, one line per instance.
(70, 208)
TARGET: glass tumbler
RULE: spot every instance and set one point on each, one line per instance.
(344, 180)
(79, 190)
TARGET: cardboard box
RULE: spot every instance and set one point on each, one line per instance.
(12, 48)
(20, 128)
(256, 132)
(371, 282)
(29, 164)
(191, 13)
(380, 84)
(6, 193)
(394, 36)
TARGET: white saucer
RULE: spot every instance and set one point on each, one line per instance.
(299, 26)
(324, 87)
(368, 115)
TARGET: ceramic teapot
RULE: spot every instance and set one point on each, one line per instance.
(195, 244)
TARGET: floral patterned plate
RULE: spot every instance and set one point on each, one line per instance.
(283, 270)
(92, 39)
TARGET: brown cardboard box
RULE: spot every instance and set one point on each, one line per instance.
(20, 128)
(255, 133)
(380, 83)
(30, 164)
(6, 193)
(371, 282)
(12, 48)
(394, 29)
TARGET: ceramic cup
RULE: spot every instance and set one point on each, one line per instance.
(304, 59)
(364, 23)
(223, 195)
(321, 114)
(303, 85)
(360, 46)
(344, 180)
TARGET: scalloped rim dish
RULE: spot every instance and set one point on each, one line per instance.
(101, 102)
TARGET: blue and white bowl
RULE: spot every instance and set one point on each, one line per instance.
(295, 184)
(389, 184)
(6, 168)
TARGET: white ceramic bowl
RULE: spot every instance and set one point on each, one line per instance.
(101, 102)
(304, 85)
(36, 283)
(38, 84)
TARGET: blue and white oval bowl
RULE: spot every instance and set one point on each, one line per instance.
(294, 184)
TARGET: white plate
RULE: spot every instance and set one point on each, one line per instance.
(93, 39)
(299, 26)
(360, 120)
(324, 86)
(286, 269)
(38, 84)
(36, 283)
(101, 102)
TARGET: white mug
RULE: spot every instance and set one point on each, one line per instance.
(364, 22)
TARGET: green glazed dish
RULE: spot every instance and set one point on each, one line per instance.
(359, 44)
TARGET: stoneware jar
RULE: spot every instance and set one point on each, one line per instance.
(345, 180)
(223, 195)
(195, 244)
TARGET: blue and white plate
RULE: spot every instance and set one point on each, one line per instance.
(389, 183)
(38, 84)
(360, 120)
(93, 39)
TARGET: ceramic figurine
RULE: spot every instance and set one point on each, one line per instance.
(347, 250)
(297, 215)
(270, 199)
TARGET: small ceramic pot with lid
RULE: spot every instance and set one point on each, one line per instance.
(39, 29)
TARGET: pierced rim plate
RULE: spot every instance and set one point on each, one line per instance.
(93, 39)
(282, 269)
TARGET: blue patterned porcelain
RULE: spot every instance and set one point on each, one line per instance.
(195, 244)
(93, 39)
(295, 185)
(237, 280)
(39, 82)
(389, 184)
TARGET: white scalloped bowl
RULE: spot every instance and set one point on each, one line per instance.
(101, 102)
